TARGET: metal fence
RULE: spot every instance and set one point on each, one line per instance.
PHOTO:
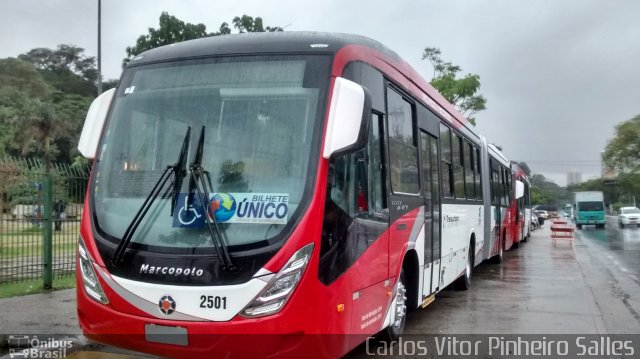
(22, 231)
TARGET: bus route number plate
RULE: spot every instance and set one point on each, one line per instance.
(166, 335)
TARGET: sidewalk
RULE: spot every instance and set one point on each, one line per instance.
(45, 313)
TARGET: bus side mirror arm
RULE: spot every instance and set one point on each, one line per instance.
(93, 124)
(519, 189)
(348, 119)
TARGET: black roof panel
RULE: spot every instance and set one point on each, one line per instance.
(263, 42)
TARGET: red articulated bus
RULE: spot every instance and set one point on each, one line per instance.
(521, 207)
(306, 189)
(503, 224)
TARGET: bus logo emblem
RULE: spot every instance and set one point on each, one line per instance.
(167, 304)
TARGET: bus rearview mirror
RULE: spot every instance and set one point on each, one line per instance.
(93, 124)
(519, 189)
(348, 120)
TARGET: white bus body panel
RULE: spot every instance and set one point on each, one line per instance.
(459, 223)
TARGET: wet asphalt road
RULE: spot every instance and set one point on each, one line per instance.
(621, 246)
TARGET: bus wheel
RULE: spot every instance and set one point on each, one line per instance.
(579, 226)
(464, 282)
(396, 327)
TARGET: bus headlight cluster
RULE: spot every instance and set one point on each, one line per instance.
(89, 279)
(275, 295)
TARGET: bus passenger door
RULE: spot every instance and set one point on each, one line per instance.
(496, 199)
(431, 187)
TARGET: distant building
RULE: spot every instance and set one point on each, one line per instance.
(574, 178)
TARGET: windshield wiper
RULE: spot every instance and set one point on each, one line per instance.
(198, 181)
(179, 172)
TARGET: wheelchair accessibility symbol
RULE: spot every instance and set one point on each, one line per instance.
(188, 213)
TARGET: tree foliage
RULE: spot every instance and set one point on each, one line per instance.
(66, 68)
(172, 30)
(44, 97)
(247, 23)
(623, 150)
(544, 191)
(463, 92)
(622, 153)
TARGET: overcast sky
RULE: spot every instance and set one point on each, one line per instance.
(557, 75)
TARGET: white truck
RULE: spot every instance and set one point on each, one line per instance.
(588, 208)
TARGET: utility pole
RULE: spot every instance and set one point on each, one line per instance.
(99, 48)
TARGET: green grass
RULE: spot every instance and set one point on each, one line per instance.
(35, 249)
(30, 230)
(35, 286)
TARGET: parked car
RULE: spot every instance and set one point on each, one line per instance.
(535, 223)
(541, 216)
(628, 216)
(551, 209)
(541, 213)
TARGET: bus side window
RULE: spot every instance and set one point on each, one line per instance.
(446, 163)
(478, 181)
(403, 149)
(376, 194)
(505, 187)
(458, 169)
(469, 170)
(496, 189)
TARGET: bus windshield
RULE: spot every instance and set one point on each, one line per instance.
(590, 206)
(258, 117)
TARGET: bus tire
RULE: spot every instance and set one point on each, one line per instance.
(464, 281)
(396, 328)
(579, 226)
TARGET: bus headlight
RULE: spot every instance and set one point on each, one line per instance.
(89, 279)
(275, 295)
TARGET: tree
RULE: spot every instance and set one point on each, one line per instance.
(41, 113)
(66, 68)
(623, 151)
(540, 196)
(461, 92)
(23, 92)
(249, 24)
(544, 191)
(172, 30)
